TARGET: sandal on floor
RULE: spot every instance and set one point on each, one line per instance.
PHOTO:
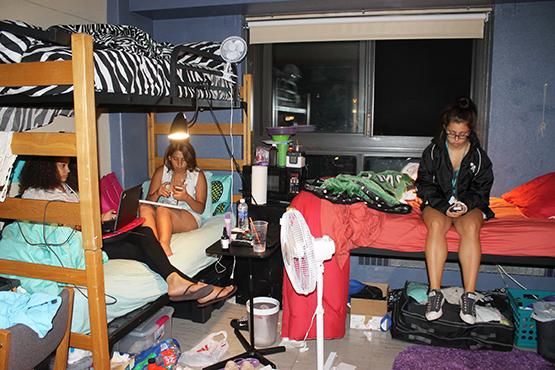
(219, 297)
(193, 296)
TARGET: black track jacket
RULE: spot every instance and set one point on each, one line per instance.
(474, 182)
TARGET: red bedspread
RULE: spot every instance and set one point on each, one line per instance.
(352, 226)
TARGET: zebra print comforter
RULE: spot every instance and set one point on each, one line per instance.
(126, 61)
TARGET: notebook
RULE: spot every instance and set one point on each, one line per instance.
(159, 204)
(127, 210)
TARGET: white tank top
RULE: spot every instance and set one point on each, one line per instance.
(191, 180)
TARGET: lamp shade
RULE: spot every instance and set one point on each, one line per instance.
(179, 129)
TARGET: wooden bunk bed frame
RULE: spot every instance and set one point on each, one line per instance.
(207, 129)
(82, 144)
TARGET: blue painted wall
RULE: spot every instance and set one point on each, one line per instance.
(128, 140)
(128, 131)
(523, 61)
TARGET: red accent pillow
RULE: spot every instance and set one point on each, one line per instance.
(536, 198)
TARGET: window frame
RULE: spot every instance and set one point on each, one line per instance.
(365, 144)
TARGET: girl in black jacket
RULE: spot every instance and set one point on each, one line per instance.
(454, 182)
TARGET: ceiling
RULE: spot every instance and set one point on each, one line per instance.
(174, 9)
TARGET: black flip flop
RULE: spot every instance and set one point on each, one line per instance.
(218, 297)
(193, 296)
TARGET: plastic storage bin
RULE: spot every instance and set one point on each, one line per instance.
(144, 336)
(521, 304)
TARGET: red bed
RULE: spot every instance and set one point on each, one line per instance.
(510, 234)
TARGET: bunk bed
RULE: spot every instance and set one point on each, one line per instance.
(74, 78)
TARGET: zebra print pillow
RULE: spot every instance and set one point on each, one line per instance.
(136, 41)
(121, 37)
(14, 46)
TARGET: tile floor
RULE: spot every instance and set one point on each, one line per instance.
(354, 349)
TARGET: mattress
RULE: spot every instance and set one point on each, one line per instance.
(352, 226)
(510, 233)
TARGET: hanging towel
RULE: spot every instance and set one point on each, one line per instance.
(35, 310)
(7, 159)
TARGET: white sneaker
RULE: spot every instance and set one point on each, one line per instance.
(468, 307)
(435, 303)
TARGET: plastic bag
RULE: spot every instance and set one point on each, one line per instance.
(110, 192)
(207, 352)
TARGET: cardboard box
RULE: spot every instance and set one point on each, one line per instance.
(366, 314)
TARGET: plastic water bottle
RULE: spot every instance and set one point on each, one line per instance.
(272, 160)
(243, 215)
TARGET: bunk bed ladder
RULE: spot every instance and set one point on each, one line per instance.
(78, 72)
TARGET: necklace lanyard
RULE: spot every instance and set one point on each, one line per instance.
(454, 183)
(455, 174)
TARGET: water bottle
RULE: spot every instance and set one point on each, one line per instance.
(243, 215)
(272, 160)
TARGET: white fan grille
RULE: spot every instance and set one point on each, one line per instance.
(297, 247)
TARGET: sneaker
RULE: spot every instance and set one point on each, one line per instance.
(435, 302)
(468, 307)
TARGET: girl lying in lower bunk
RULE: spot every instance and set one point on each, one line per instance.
(48, 178)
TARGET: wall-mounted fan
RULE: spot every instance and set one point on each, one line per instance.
(233, 49)
(303, 257)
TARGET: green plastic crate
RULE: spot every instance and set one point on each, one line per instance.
(521, 304)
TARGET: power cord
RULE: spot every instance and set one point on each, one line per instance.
(503, 271)
(229, 151)
(49, 246)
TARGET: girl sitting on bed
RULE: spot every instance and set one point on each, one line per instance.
(178, 182)
(454, 182)
(48, 178)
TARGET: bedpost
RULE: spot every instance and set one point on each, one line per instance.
(247, 118)
(87, 164)
(151, 137)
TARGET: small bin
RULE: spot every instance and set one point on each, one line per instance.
(266, 317)
(544, 314)
(521, 304)
(144, 336)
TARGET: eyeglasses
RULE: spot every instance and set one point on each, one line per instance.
(457, 136)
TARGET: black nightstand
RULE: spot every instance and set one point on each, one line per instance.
(267, 272)
(247, 253)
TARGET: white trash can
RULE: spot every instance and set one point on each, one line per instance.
(266, 316)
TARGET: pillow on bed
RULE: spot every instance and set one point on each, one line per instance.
(220, 190)
(536, 198)
(15, 45)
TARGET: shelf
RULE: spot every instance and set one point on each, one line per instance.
(291, 109)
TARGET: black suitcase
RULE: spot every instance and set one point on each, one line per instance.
(410, 324)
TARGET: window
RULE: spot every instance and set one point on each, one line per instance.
(378, 97)
(402, 85)
(320, 81)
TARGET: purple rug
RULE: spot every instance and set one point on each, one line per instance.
(437, 358)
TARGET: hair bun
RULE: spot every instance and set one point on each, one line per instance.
(463, 103)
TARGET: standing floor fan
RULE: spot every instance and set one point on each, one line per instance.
(303, 257)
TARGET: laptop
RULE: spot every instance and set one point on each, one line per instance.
(127, 210)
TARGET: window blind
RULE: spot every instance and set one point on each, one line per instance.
(375, 27)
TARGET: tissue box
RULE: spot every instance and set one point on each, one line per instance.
(366, 314)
